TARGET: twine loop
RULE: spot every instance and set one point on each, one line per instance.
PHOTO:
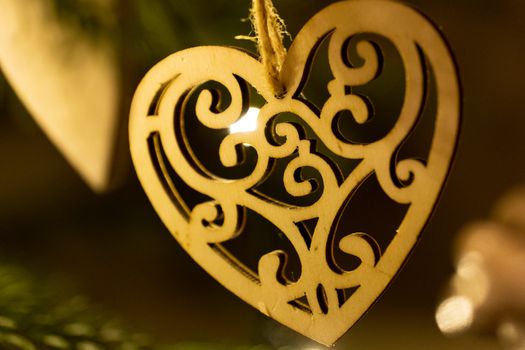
(269, 31)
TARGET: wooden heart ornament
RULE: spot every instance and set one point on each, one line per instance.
(305, 154)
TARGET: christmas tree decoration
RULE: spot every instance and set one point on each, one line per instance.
(219, 138)
(485, 293)
(69, 83)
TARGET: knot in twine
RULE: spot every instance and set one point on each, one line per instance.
(269, 31)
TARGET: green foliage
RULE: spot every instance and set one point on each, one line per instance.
(34, 315)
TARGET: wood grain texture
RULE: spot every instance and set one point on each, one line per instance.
(313, 304)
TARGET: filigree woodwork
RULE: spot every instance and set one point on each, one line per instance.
(160, 145)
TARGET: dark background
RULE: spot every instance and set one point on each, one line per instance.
(114, 248)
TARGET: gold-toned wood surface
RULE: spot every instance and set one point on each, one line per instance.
(167, 162)
(69, 84)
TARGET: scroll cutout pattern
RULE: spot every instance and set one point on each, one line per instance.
(159, 142)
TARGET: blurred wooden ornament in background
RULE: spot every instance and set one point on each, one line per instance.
(69, 84)
(324, 299)
(487, 290)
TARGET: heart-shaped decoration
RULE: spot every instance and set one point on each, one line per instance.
(175, 99)
(68, 83)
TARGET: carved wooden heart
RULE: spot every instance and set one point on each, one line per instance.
(205, 211)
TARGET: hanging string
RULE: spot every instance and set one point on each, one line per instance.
(269, 31)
